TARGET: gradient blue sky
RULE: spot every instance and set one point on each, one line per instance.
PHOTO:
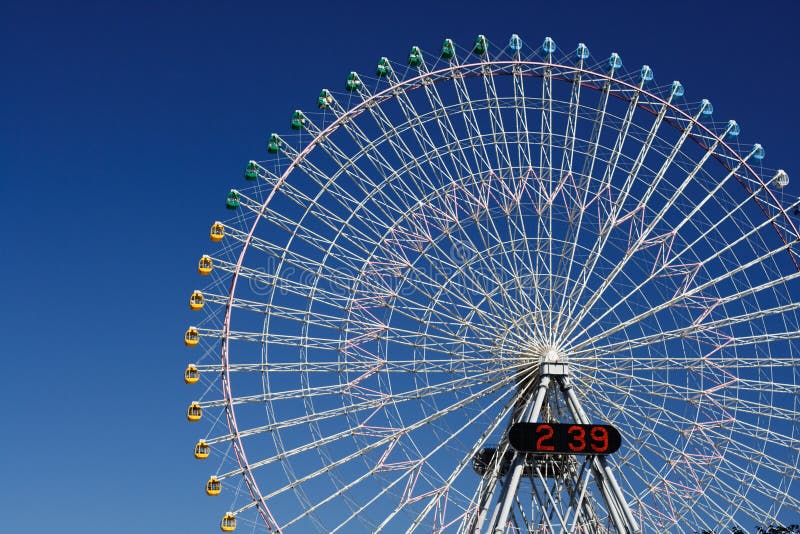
(123, 125)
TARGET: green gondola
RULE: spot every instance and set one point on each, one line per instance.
(448, 49)
(298, 120)
(325, 99)
(251, 172)
(274, 144)
(353, 82)
(384, 68)
(233, 200)
(480, 45)
(415, 57)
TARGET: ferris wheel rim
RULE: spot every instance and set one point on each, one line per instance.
(360, 107)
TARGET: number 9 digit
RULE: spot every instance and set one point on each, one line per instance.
(599, 434)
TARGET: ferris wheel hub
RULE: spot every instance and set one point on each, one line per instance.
(551, 354)
(545, 359)
(543, 352)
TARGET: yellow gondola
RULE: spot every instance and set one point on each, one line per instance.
(195, 412)
(192, 374)
(228, 523)
(201, 450)
(217, 232)
(191, 337)
(213, 486)
(196, 301)
(205, 265)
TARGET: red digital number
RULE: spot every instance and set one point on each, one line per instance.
(548, 435)
(600, 435)
(578, 434)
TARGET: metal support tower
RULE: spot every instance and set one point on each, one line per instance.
(561, 497)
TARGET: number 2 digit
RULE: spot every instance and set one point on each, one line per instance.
(547, 435)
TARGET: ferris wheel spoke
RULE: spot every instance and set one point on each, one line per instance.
(546, 128)
(501, 271)
(642, 239)
(390, 136)
(336, 268)
(645, 409)
(284, 455)
(684, 363)
(722, 442)
(666, 263)
(727, 474)
(446, 321)
(278, 282)
(482, 160)
(315, 209)
(431, 151)
(570, 134)
(405, 153)
(375, 445)
(737, 448)
(721, 338)
(421, 283)
(731, 496)
(280, 311)
(687, 292)
(499, 135)
(754, 231)
(388, 207)
(516, 264)
(366, 144)
(546, 177)
(447, 315)
(452, 144)
(648, 417)
(297, 231)
(694, 330)
(748, 429)
(495, 278)
(617, 205)
(413, 168)
(450, 366)
(710, 357)
(491, 427)
(615, 217)
(375, 402)
(567, 259)
(573, 231)
(473, 130)
(521, 119)
(490, 323)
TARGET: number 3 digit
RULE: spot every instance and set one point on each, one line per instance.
(578, 434)
(547, 435)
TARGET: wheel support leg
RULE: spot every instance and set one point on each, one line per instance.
(503, 507)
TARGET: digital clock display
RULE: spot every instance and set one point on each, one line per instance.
(560, 438)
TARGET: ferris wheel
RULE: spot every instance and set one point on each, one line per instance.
(502, 289)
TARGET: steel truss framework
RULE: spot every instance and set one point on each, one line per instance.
(550, 475)
(385, 295)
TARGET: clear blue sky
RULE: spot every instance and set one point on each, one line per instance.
(123, 125)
